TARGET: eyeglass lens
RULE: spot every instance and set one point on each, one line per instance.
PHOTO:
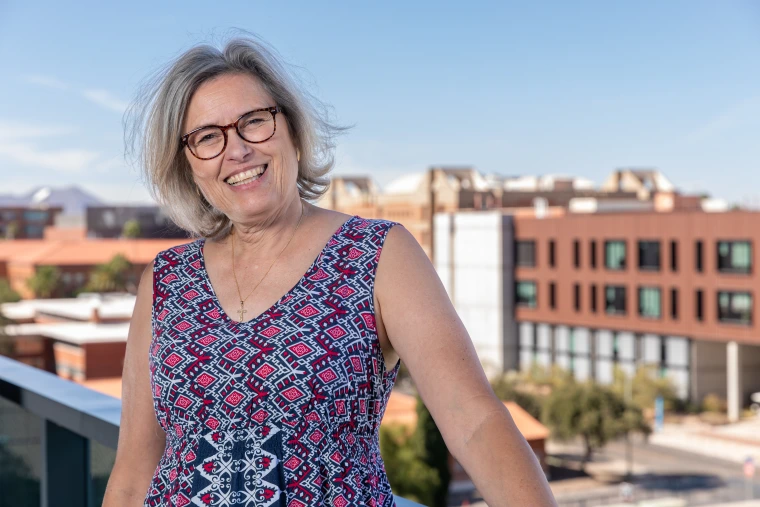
(254, 127)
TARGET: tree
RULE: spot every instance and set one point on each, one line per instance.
(111, 276)
(595, 413)
(646, 385)
(7, 294)
(131, 229)
(45, 282)
(408, 475)
(11, 230)
(508, 388)
(433, 451)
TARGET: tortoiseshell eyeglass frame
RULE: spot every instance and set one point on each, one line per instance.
(274, 110)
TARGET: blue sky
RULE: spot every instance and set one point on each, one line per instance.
(516, 88)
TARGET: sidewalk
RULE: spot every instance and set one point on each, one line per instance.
(732, 442)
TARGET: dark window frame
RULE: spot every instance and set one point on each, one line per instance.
(730, 319)
(518, 250)
(730, 269)
(699, 305)
(699, 257)
(593, 297)
(674, 303)
(576, 253)
(642, 257)
(553, 295)
(674, 255)
(624, 265)
(619, 289)
(577, 297)
(592, 253)
(535, 294)
(639, 292)
(552, 253)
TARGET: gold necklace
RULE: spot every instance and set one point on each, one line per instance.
(242, 310)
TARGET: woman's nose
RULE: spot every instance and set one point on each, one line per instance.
(237, 147)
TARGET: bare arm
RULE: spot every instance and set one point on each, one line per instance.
(428, 335)
(141, 438)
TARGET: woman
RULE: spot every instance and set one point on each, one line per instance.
(261, 356)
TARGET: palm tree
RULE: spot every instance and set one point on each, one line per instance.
(131, 229)
(111, 276)
(45, 281)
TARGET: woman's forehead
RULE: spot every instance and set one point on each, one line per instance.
(223, 99)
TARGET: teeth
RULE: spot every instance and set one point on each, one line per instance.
(246, 176)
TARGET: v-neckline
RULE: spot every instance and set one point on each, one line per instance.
(279, 301)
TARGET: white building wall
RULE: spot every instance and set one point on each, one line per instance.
(470, 259)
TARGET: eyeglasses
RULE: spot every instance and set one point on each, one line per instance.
(210, 141)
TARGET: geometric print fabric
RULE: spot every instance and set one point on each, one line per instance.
(283, 409)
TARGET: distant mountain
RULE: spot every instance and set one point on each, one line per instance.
(73, 200)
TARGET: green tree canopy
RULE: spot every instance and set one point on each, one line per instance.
(131, 229)
(111, 276)
(646, 385)
(7, 294)
(408, 475)
(45, 281)
(592, 412)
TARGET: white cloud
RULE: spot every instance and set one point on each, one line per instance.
(101, 97)
(46, 81)
(72, 160)
(12, 131)
(733, 117)
(105, 99)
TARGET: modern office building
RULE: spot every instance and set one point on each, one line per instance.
(23, 222)
(590, 291)
(109, 222)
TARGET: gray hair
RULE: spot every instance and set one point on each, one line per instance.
(154, 121)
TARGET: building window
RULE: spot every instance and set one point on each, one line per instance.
(649, 255)
(593, 298)
(526, 253)
(35, 216)
(699, 303)
(592, 253)
(552, 253)
(735, 307)
(650, 304)
(526, 294)
(577, 297)
(34, 231)
(734, 256)
(552, 295)
(576, 253)
(673, 303)
(698, 256)
(614, 255)
(614, 300)
(674, 255)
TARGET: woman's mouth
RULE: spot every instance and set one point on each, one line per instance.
(247, 176)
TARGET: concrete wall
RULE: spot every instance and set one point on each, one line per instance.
(476, 271)
(708, 373)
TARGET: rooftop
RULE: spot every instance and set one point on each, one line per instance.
(83, 251)
(108, 306)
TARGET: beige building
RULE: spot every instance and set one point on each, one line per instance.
(414, 198)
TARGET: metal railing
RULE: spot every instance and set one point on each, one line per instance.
(57, 440)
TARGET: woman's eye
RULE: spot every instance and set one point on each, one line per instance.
(207, 138)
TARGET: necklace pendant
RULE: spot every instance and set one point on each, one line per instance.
(241, 312)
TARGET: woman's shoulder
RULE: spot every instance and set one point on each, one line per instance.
(180, 249)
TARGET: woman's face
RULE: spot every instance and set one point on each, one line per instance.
(221, 101)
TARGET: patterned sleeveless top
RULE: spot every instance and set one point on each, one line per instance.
(282, 410)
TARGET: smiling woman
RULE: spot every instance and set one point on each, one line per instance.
(281, 406)
(155, 137)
